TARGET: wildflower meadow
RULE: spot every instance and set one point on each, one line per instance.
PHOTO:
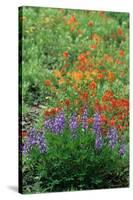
(74, 100)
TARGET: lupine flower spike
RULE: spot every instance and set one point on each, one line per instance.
(73, 124)
(84, 119)
(34, 139)
(98, 142)
(122, 149)
(97, 123)
(56, 124)
(113, 137)
(97, 130)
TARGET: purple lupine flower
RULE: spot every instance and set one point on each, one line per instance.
(34, 139)
(97, 130)
(56, 124)
(98, 141)
(112, 136)
(97, 123)
(30, 141)
(73, 123)
(59, 123)
(84, 119)
(122, 149)
(40, 140)
(25, 148)
(48, 124)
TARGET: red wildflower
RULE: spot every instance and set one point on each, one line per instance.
(66, 54)
(51, 111)
(103, 118)
(119, 127)
(47, 113)
(108, 58)
(121, 53)
(84, 96)
(118, 62)
(24, 134)
(93, 46)
(90, 120)
(82, 68)
(67, 102)
(72, 20)
(113, 102)
(119, 31)
(108, 95)
(100, 76)
(111, 76)
(90, 23)
(92, 85)
(111, 122)
(80, 32)
(81, 58)
(47, 82)
(87, 53)
(66, 65)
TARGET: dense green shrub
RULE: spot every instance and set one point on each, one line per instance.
(74, 164)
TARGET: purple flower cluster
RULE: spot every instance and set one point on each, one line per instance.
(98, 142)
(97, 130)
(97, 123)
(84, 119)
(73, 124)
(34, 139)
(122, 149)
(112, 136)
(56, 124)
(48, 124)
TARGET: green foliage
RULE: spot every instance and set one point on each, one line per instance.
(120, 17)
(74, 164)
